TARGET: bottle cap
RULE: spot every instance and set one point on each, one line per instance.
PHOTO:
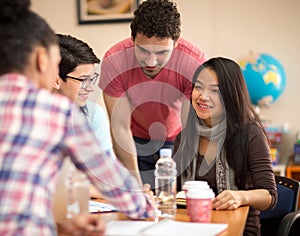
(165, 152)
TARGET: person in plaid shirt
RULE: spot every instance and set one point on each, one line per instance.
(39, 129)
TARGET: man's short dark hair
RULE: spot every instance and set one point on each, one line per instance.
(156, 18)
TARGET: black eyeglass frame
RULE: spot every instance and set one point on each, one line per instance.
(92, 79)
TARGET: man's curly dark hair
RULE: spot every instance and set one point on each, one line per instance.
(156, 18)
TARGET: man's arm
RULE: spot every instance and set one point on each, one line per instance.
(116, 184)
(119, 112)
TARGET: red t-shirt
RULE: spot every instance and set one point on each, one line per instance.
(156, 103)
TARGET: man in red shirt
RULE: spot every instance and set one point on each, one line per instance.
(146, 82)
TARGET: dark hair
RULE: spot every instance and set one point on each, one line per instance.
(20, 31)
(74, 52)
(158, 18)
(239, 113)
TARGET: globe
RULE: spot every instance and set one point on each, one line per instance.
(265, 78)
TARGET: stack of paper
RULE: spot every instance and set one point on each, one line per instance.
(180, 198)
(162, 228)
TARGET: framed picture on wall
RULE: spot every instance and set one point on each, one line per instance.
(105, 11)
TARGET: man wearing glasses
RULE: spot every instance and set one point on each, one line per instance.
(146, 83)
(78, 88)
(78, 74)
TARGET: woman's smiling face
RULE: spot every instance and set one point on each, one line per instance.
(206, 98)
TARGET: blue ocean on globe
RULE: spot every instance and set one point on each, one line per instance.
(265, 78)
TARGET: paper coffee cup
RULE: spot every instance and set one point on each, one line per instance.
(199, 204)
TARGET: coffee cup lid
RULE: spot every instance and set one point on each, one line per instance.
(195, 184)
(200, 193)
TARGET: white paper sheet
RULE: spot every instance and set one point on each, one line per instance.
(100, 207)
(163, 228)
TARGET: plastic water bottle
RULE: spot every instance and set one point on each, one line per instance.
(165, 185)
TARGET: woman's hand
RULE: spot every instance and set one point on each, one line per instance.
(228, 200)
(259, 199)
(82, 225)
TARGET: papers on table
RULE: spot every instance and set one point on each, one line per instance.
(180, 198)
(164, 227)
(95, 207)
(180, 195)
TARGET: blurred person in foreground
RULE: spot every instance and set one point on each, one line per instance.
(37, 131)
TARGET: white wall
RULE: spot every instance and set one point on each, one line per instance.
(228, 28)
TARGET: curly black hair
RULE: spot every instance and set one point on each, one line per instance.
(156, 18)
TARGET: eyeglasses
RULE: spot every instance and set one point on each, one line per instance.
(87, 81)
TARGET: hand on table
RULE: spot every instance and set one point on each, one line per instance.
(149, 193)
(82, 225)
(227, 200)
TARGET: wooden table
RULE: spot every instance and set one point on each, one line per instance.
(236, 219)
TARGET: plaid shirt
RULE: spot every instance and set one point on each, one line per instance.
(37, 130)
